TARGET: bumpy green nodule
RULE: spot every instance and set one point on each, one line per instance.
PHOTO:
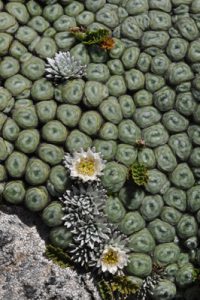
(60, 237)
(114, 209)
(14, 192)
(36, 198)
(52, 215)
(114, 176)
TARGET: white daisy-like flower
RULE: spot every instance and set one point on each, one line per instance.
(113, 259)
(85, 165)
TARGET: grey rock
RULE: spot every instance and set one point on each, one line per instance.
(25, 272)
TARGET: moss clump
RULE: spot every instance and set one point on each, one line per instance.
(117, 288)
(139, 173)
(58, 256)
(90, 37)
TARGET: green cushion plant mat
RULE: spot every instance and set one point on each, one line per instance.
(121, 77)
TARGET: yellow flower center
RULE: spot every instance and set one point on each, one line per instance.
(110, 257)
(86, 166)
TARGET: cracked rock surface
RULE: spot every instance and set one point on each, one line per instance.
(25, 272)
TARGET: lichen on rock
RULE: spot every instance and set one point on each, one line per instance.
(25, 272)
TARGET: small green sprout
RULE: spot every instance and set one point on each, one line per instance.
(139, 173)
(119, 287)
(88, 37)
(58, 256)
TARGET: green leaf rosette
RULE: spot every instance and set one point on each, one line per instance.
(108, 131)
(127, 106)
(114, 176)
(166, 160)
(147, 158)
(52, 13)
(181, 145)
(97, 72)
(176, 198)
(54, 132)
(114, 209)
(8, 22)
(155, 135)
(143, 98)
(126, 154)
(170, 215)
(69, 114)
(39, 24)
(50, 154)
(33, 68)
(146, 116)
(36, 198)
(151, 207)
(106, 148)
(42, 90)
(46, 110)
(90, 122)
(25, 118)
(37, 172)
(166, 253)
(184, 276)
(52, 215)
(28, 141)
(18, 85)
(72, 91)
(132, 222)
(142, 260)
(141, 241)
(9, 66)
(129, 132)
(77, 140)
(182, 176)
(187, 227)
(16, 164)
(14, 192)
(111, 110)
(157, 182)
(10, 130)
(60, 237)
(165, 290)
(58, 177)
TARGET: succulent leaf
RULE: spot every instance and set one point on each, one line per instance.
(84, 216)
(64, 66)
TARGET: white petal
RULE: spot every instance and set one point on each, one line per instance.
(104, 268)
(113, 269)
